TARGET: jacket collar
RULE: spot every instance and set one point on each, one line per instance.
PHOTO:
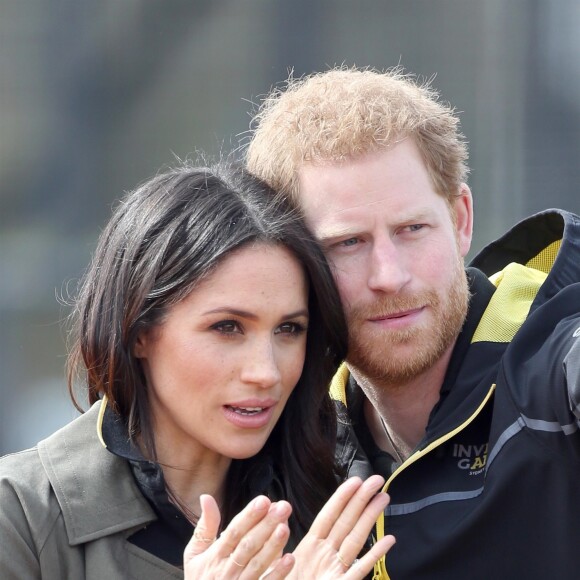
(548, 241)
(95, 489)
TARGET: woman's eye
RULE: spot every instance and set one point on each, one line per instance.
(290, 328)
(227, 327)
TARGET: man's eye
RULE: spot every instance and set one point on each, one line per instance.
(226, 327)
(290, 328)
(416, 227)
(349, 242)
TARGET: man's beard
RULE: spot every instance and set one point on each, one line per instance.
(378, 355)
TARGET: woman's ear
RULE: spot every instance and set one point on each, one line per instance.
(140, 347)
(463, 208)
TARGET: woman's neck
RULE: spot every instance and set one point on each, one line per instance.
(188, 473)
(185, 485)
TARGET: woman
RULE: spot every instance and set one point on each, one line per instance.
(208, 327)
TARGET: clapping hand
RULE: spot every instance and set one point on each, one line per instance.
(339, 532)
(250, 548)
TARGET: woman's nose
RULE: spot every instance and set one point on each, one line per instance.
(261, 367)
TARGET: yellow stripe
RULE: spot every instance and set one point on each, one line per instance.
(338, 384)
(100, 420)
(517, 287)
(380, 566)
(546, 258)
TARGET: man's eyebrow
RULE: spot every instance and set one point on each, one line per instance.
(332, 233)
(335, 234)
(416, 215)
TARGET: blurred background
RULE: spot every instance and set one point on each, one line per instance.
(95, 96)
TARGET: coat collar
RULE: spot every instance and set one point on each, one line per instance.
(95, 489)
(548, 241)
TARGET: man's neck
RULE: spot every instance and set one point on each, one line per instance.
(404, 407)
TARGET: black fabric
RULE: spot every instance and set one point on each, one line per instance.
(382, 462)
(169, 534)
(166, 537)
(522, 242)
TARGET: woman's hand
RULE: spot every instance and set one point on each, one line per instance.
(247, 549)
(339, 532)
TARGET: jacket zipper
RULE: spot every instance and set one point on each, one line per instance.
(380, 572)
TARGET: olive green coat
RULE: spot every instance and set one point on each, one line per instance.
(67, 508)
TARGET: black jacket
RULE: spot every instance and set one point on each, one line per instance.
(493, 489)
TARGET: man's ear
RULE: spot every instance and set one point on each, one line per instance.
(462, 205)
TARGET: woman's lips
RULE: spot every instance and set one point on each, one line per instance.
(249, 414)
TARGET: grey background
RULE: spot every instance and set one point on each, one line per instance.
(96, 95)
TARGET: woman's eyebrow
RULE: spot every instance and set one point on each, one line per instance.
(251, 315)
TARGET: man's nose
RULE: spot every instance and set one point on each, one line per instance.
(388, 271)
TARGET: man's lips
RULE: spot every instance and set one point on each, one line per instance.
(397, 315)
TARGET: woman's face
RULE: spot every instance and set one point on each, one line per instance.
(221, 366)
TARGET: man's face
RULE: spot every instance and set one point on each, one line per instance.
(397, 257)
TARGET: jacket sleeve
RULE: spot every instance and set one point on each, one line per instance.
(18, 555)
(572, 374)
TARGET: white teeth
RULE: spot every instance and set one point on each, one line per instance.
(247, 410)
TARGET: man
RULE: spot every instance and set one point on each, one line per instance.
(462, 387)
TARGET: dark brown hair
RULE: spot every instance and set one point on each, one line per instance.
(163, 238)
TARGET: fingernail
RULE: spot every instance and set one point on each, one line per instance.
(351, 482)
(279, 508)
(288, 560)
(260, 503)
(377, 481)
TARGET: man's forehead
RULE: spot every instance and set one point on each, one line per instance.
(324, 188)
